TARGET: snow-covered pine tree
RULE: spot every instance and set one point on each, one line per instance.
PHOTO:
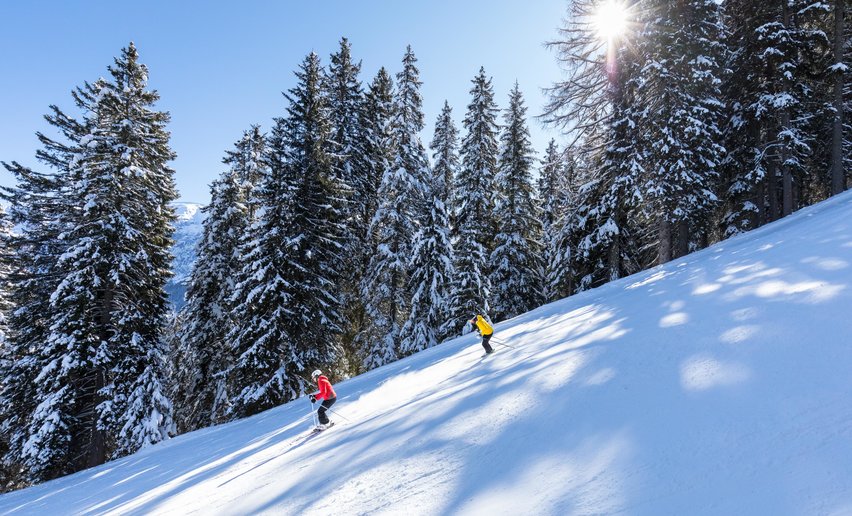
(473, 210)
(514, 265)
(345, 103)
(431, 263)
(5, 275)
(548, 195)
(66, 432)
(379, 157)
(595, 104)
(201, 355)
(786, 97)
(842, 101)
(289, 315)
(431, 269)
(776, 70)
(8, 472)
(346, 115)
(134, 149)
(408, 124)
(558, 193)
(680, 93)
(743, 166)
(815, 118)
(98, 231)
(445, 154)
(400, 212)
(841, 150)
(563, 266)
(379, 150)
(38, 211)
(548, 183)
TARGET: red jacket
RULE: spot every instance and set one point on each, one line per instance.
(326, 392)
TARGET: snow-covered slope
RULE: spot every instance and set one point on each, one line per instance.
(717, 384)
(188, 230)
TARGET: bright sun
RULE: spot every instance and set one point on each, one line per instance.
(611, 19)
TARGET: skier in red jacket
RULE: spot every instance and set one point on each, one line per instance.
(326, 394)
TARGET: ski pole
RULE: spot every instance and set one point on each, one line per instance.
(314, 414)
(498, 341)
(337, 414)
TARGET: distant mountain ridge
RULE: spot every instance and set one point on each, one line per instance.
(188, 230)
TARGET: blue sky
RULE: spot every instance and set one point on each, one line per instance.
(221, 66)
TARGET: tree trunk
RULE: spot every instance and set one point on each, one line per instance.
(615, 259)
(786, 173)
(757, 219)
(682, 242)
(96, 447)
(838, 179)
(665, 251)
(760, 201)
(772, 189)
(615, 248)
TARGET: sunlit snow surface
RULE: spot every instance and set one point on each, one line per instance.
(718, 384)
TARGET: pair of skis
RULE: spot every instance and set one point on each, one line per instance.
(318, 429)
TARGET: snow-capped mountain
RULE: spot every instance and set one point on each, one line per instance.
(716, 384)
(188, 230)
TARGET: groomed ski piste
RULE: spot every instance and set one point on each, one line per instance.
(720, 383)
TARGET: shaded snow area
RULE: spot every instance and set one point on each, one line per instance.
(188, 230)
(718, 384)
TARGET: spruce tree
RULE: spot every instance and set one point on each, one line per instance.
(680, 93)
(775, 114)
(431, 269)
(32, 254)
(8, 470)
(98, 230)
(289, 311)
(379, 157)
(408, 124)
(840, 71)
(596, 104)
(5, 274)
(562, 266)
(345, 101)
(515, 271)
(548, 194)
(445, 154)
(400, 211)
(744, 168)
(432, 253)
(202, 351)
(474, 226)
(136, 144)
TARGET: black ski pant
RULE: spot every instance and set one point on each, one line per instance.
(326, 404)
(485, 344)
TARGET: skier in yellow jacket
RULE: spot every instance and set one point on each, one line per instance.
(486, 330)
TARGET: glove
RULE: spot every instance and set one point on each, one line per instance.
(313, 399)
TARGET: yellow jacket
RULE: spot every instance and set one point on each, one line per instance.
(482, 324)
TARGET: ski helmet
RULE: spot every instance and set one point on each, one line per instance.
(316, 374)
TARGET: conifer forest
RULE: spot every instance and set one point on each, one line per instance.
(343, 237)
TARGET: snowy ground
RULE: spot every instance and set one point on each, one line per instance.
(718, 384)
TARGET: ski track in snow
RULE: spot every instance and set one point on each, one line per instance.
(717, 384)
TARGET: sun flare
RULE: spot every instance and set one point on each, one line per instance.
(610, 19)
